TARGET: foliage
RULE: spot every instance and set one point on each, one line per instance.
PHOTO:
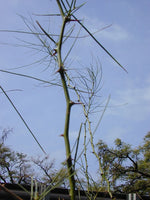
(14, 166)
(18, 168)
(127, 168)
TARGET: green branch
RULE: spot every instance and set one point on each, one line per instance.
(69, 104)
(99, 43)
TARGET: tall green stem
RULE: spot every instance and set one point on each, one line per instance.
(68, 113)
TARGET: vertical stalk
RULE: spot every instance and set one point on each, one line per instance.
(68, 113)
(86, 161)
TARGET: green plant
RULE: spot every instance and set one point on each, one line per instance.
(81, 84)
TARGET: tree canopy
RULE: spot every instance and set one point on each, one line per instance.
(127, 168)
(19, 168)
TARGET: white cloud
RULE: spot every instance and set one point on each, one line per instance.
(115, 32)
(138, 103)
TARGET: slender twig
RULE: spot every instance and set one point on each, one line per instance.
(30, 77)
(85, 158)
(60, 8)
(99, 43)
(54, 35)
(45, 32)
(77, 145)
(22, 119)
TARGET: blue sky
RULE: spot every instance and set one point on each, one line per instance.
(43, 108)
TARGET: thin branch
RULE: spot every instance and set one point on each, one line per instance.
(71, 47)
(99, 43)
(45, 32)
(96, 127)
(102, 115)
(47, 15)
(54, 35)
(14, 90)
(26, 125)
(27, 76)
(60, 8)
(78, 139)
(62, 2)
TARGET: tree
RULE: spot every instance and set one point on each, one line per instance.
(18, 168)
(127, 168)
(14, 167)
(47, 175)
(80, 86)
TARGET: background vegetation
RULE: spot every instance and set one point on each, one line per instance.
(127, 168)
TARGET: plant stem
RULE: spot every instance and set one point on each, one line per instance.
(68, 113)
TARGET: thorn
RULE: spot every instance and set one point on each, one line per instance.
(61, 69)
(75, 103)
(54, 52)
(68, 19)
(62, 135)
(72, 103)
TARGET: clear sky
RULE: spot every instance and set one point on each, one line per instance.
(43, 107)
